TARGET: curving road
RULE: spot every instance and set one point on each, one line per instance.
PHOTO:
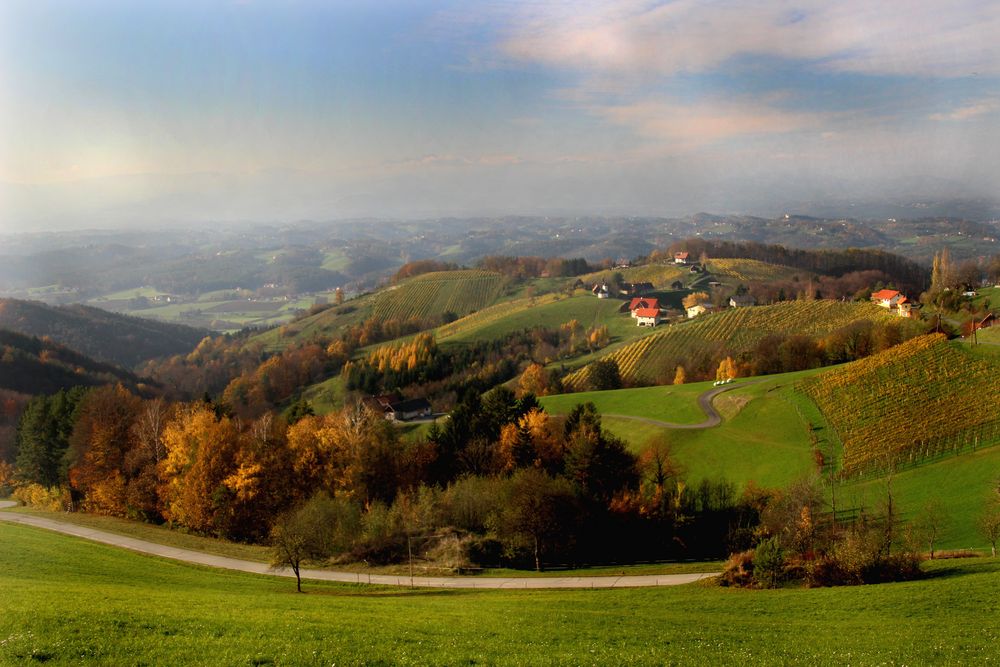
(210, 560)
(712, 416)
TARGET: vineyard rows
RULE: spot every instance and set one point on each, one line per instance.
(432, 294)
(492, 314)
(914, 402)
(738, 329)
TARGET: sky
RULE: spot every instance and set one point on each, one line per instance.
(123, 113)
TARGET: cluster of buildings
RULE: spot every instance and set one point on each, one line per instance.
(896, 302)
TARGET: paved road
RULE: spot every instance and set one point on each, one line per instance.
(200, 558)
(713, 418)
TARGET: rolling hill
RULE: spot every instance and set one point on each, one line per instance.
(738, 329)
(918, 401)
(34, 366)
(102, 335)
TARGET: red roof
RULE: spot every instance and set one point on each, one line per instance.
(681, 255)
(640, 302)
(902, 300)
(647, 312)
(885, 294)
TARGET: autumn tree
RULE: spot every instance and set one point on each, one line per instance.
(99, 445)
(537, 513)
(679, 376)
(201, 452)
(303, 534)
(338, 296)
(695, 298)
(727, 369)
(604, 374)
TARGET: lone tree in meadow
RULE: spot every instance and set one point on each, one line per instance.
(989, 526)
(303, 534)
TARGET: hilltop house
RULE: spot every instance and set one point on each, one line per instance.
(742, 301)
(601, 290)
(637, 303)
(699, 309)
(906, 308)
(681, 258)
(886, 298)
(646, 317)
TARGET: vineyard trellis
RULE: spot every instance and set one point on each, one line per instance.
(739, 329)
(431, 294)
(914, 403)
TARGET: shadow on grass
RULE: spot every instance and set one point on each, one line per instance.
(373, 592)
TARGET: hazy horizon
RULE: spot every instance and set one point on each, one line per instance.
(120, 115)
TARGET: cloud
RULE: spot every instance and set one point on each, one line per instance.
(969, 111)
(687, 125)
(916, 38)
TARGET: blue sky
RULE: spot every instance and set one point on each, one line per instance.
(132, 113)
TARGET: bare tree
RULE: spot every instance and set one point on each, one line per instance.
(931, 523)
(989, 526)
(303, 534)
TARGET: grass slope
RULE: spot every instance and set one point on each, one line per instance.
(675, 404)
(68, 601)
(751, 270)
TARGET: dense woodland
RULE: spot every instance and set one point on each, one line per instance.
(501, 482)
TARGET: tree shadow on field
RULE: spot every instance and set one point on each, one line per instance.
(376, 593)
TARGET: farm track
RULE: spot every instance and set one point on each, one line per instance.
(222, 562)
(713, 418)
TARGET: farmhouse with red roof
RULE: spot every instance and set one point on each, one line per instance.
(680, 258)
(646, 317)
(887, 298)
(642, 302)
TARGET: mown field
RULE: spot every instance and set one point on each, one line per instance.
(67, 601)
(739, 329)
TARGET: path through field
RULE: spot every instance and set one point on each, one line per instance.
(712, 416)
(200, 558)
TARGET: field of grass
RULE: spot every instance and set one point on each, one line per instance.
(68, 601)
(961, 484)
(661, 275)
(652, 358)
(676, 404)
(550, 312)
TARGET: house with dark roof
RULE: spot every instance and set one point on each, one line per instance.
(741, 301)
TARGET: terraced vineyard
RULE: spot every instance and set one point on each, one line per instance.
(751, 270)
(738, 328)
(913, 403)
(431, 294)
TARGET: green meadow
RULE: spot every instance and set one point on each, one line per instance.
(68, 601)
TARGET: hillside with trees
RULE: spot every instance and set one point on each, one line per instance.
(110, 337)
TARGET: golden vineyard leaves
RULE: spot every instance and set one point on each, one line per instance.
(917, 400)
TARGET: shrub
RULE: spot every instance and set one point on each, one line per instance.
(53, 499)
(738, 571)
(768, 563)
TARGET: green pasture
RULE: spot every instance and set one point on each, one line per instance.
(677, 404)
(68, 601)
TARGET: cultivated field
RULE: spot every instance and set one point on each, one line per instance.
(915, 402)
(738, 329)
(751, 270)
(432, 294)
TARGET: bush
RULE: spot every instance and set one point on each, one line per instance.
(768, 563)
(54, 499)
(738, 571)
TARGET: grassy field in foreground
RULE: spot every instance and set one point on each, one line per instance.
(67, 601)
